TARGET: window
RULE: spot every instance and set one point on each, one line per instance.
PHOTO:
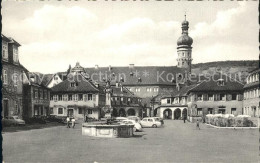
(15, 78)
(150, 120)
(56, 78)
(64, 97)
(210, 110)
(5, 79)
(233, 111)
(4, 51)
(60, 97)
(55, 97)
(199, 111)
(41, 94)
(155, 89)
(44, 94)
(89, 97)
(90, 111)
(221, 111)
(234, 96)
(211, 98)
(80, 96)
(122, 98)
(60, 110)
(168, 100)
(199, 97)
(70, 97)
(222, 97)
(15, 51)
(85, 97)
(35, 93)
(51, 110)
(80, 111)
(75, 97)
(51, 98)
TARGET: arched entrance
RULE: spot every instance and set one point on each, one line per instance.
(122, 113)
(177, 113)
(167, 114)
(184, 113)
(114, 113)
(130, 112)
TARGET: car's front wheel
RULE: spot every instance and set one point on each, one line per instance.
(154, 126)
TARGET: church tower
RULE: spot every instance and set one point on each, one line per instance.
(184, 48)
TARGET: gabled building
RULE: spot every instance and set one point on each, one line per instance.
(36, 97)
(123, 102)
(13, 76)
(252, 94)
(219, 94)
(77, 96)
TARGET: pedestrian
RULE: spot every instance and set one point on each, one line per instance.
(198, 125)
(184, 118)
(73, 122)
(68, 122)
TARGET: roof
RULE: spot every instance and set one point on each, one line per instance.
(138, 75)
(83, 85)
(212, 84)
(9, 40)
(35, 79)
(125, 92)
(5, 38)
(252, 85)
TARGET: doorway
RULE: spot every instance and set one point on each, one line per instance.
(70, 112)
(5, 108)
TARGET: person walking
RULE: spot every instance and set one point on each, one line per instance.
(198, 125)
(68, 122)
(184, 118)
(73, 122)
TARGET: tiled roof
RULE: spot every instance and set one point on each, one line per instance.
(252, 85)
(146, 75)
(125, 92)
(212, 85)
(5, 38)
(83, 85)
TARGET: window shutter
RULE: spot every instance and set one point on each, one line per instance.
(94, 97)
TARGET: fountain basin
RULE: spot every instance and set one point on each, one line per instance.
(108, 131)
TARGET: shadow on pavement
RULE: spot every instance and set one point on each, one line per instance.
(30, 127)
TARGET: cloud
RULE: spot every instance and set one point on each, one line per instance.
(55, 36)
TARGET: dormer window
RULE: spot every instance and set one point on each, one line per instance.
(131, 74)
(15, 52)
(220, 82)
(73, 84)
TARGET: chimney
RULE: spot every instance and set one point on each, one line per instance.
(96, 84)
(131, 66)
(109, 68)
(96, 66)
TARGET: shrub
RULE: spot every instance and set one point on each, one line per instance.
(8, 123)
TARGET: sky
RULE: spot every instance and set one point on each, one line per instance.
(55, 34)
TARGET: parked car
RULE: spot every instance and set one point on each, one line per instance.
(150, 122)
(160, 119)
(135, 118)
(17, 120)
(137, 126)
(120, 119)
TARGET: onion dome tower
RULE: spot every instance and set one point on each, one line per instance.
(184, 48)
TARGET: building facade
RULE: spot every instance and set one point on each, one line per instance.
(123, 102)
(222, 96)
(77, 97)
(36, 97)
(13, 76)
(251, 94)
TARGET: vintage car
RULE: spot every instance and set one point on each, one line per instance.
(137, 126)
(150, 122)
(135, 118)
(160, 119)
(17, 120)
